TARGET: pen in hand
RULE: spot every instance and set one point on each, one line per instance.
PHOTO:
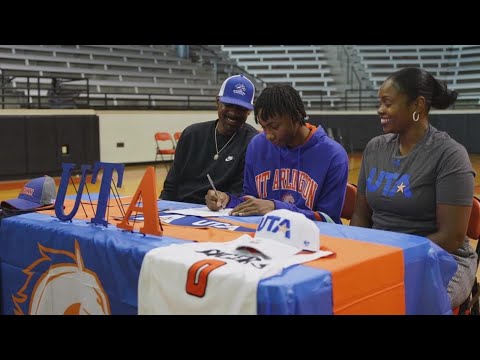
(214, 189)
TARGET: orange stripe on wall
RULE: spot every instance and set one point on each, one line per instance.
(367, 278)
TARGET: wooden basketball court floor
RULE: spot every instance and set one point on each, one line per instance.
(133, 175)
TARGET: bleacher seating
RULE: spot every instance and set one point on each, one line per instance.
(113, 71)
(212, 55)
(155, 75)
(458, 65)
(305, 67)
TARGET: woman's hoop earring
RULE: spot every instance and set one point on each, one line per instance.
(415, 118)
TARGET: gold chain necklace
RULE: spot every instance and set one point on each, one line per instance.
(224, 146)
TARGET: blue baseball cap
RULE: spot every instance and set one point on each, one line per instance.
(237, 90)
(35, 194)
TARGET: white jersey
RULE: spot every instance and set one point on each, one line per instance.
(207, 278)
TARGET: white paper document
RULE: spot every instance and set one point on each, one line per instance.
(202, 212)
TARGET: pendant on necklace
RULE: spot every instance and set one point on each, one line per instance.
(215, 157)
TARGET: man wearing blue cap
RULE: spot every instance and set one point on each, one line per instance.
(214, 147)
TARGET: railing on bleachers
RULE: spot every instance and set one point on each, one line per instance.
(40, 92)
(32, 92)
(43, 92)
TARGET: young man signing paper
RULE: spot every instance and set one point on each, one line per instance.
(292, 165)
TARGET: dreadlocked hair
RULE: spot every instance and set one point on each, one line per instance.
(280, 100)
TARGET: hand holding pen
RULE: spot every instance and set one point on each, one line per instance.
(214, 199)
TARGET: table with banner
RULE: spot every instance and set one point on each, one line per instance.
(49, 267)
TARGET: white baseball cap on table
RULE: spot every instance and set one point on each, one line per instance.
(283, 233)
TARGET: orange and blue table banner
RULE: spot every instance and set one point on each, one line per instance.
(45, 264)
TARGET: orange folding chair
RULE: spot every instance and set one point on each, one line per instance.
(165, 154)
(471, 305)
(349, 203)
(176, 136)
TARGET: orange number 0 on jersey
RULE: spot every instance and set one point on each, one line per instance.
(198, 274)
